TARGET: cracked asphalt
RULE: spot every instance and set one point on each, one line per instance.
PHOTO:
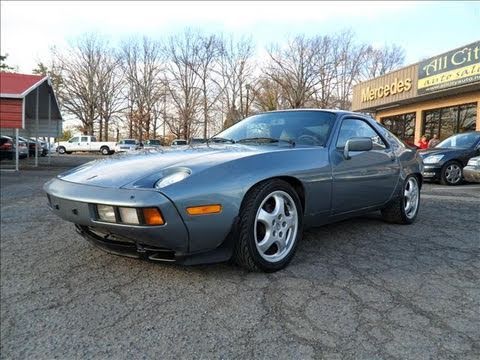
(359, 289)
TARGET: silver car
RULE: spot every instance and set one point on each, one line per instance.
(248, 193)
(471, 172)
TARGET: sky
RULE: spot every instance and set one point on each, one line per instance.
(423, 29)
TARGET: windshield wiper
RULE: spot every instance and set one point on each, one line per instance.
(220, 140)
(265, 140)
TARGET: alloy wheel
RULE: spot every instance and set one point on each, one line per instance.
(276, 226)
(411, 195)
(453, 173)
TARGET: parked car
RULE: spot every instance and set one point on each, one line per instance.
(179, 142)
(86, 143)
(471, 172)
(7, 148)
(127, 145)
(152, 144)
(196, 141)
(249, 193)
(445, 161)
(32, 145)
(43, 146)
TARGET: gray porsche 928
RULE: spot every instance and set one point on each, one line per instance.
(246, 194)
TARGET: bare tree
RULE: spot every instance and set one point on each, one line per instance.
(236, 77)
(293, 69)
(78, 67)
(208, 52)
(110, 84)
(184, 84)
(350, 58)
(382, 60)
(142, 68)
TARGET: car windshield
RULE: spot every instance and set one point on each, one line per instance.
(462, 141)
(129, 142)
(294, 127)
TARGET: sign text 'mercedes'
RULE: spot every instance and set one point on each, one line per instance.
(396, 87)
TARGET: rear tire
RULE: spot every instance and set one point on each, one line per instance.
(451, 174)
(404, 209)
(105, 150)
(269, 228)
(61, 150)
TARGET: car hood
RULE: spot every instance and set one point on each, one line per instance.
(440, 151)
(121, 170)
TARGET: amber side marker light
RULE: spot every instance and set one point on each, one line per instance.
(204, 209)
(152, 216)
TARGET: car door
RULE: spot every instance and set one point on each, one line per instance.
(74, 144)
(368, 178)
(84, 144)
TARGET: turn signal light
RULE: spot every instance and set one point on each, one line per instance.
(152, 216)
(204, 209)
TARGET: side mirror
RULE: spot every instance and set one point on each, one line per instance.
(357, 144)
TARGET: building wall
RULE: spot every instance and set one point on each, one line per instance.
(377, 92)
(420, 107)
(11, 113)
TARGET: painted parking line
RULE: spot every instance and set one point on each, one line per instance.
(446, 197)
(475, 187)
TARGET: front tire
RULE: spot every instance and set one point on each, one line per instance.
(452, 173)
(270, 227)
(404, 209)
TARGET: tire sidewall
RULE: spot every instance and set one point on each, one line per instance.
(444, 180)
(404, 215)
(273, 185)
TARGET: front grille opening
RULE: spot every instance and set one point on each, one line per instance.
(107, 235)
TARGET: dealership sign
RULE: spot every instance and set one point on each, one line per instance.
(386, 90)
(454, 68)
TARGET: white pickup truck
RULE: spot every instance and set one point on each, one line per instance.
(86, 143)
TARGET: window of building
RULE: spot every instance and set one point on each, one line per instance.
(403, 126)
(450, 120)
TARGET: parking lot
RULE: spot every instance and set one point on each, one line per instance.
(359, 289)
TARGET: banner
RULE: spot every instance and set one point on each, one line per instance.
(454, 68)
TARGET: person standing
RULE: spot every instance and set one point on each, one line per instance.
(433, 141)
(423, 144)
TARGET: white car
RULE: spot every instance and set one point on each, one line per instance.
(86, 143)
(127, 145)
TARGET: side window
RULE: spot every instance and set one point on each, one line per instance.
(357, 128)
(74, 140)
(93, 139)
(84, 138)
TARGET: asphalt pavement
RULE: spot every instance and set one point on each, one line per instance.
(359, 289)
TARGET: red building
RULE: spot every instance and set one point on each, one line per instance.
(28, 107)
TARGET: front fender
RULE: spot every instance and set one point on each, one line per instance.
(227, 183)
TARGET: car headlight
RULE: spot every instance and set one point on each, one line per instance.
(172, 178)
(474, 162)
(433, 159)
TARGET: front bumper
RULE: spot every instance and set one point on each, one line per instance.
(74, 202)
(471, 173)
(168, 242)
(432, 172)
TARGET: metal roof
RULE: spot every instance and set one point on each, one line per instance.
(13, 85)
